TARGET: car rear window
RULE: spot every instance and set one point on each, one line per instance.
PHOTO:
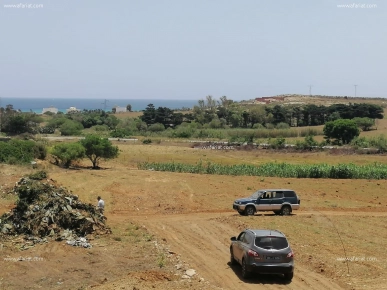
(276, 243)
(289, 194)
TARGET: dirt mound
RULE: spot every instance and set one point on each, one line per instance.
(45, 211)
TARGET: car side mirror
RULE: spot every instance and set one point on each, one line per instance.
(233, 239)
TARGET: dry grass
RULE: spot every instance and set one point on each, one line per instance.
(332, 212)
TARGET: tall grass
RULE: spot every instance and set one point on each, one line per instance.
(340, 171)
(235, 134)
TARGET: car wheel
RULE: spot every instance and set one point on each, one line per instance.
(232, 259)
(286, 210)
(245, 272)
(288, 276)
(250, 210)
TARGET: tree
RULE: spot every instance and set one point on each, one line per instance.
(257, 115)
(149, 115)
(163, 116)
(364, 123)
(129, 107)
(16, 124)
(236, 120)
(97, 148)
(343, 130)
(65, 153)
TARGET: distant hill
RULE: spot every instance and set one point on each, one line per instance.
(294, 99)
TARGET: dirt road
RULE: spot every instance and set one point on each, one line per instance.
(203, 240)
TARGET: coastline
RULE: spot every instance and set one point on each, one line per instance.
(36, 105)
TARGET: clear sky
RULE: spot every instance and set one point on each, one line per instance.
(187, 49)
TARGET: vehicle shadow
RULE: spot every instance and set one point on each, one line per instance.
(259, 278)
(265, 214)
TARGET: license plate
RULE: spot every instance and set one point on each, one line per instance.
(272, 258)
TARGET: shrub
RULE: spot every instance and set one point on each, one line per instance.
(364, 123)
(70, 128)
(56, 122)
(100, 128)
(17, 151)
(65, 153)
(40, 151)
(360, 142)
(40, 175)
(269, 126)
(282, 126)
(278, 143)
(308, 144)
(147, 141)
(157, 127)
(258, 126)
(379, 142)
(183, 132)
(120, 133)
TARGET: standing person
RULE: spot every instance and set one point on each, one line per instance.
(100, 205)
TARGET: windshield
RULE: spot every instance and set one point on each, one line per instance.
(256, 194)
(276, 243)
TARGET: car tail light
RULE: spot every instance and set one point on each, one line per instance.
(290, 255)
(252, 253)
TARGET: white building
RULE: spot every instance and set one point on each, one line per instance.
(120, 109)
(72, 110)
(50, 109)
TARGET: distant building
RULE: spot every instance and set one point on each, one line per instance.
(50, 109)
(120, 109)
(72, 110)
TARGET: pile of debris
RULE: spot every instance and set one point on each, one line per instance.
(46, 211)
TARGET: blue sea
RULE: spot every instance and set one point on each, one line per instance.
(36, 105)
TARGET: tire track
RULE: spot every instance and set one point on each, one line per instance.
(204, 242)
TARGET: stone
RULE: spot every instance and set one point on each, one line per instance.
(190, 272)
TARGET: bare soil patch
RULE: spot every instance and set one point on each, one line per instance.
(166, 223)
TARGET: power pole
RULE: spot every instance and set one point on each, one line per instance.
(355, 89)
(310, 90)
(105, 104)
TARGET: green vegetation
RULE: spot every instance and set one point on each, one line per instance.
(71, 128)
(39, 175)
(340, 171)
(364, 123)
(308, 144)
(342, 131)
(65, 153)
(97, 148)
(19, 151)
(378, 142)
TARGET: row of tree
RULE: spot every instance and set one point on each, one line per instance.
(226, 113)
(16, 122)
(208, 113)
(92, 147)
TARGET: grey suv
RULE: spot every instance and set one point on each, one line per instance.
(280, 201)
(262, 251)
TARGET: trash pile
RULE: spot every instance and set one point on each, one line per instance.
(45, 211)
